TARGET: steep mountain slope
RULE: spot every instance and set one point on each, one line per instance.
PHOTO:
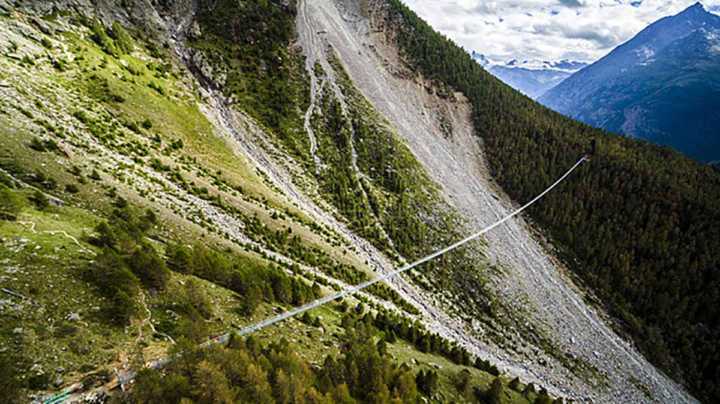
(639, 227)
(97, 120)
(165, 179)
(531, 79)
(297, 148)
(456, 161)
(662, 86)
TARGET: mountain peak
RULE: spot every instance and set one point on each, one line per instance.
(670, 60)
(696, 9)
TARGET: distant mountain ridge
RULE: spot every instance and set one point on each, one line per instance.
(532, 78)
(662, 86)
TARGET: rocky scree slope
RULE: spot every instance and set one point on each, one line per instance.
(436, 124)
(105, 107)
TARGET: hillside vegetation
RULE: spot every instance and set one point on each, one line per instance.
(133, 227)
(640, 226)
(366, 172)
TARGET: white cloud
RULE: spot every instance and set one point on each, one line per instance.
(582, 30)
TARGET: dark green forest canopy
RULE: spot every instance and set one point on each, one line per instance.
(639, 223)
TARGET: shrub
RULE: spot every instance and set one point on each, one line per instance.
(193, 329)
(114, 280)
(515, 384)
(121, 308)
(40, 201)
(157, 87)
(104, 237)
(82, 116)
(543, 398)
(252, 298)
(110, 273)
(44, 181)
(51, 145)
(38, 381)
(158, 165)
(65, 330)
(149, 267)
(100, 36)
(486, 366)
(427, 382)
(60, 65)
(495, 395)
(133, 126)
(37, 144)
(196, 299)
(177, 144)
(46, 43)
(6, 180)
(178, 258)
(99, 88)
(10, 203)
(123, 40)
(462, 382)
(10, 385)
(193, 308)
(71, 188)
(27, 61)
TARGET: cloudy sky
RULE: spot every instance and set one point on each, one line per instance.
(581, 30)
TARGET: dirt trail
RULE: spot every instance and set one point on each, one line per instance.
(458, 164)
(32, 225)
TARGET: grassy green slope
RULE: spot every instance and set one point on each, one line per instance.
(95, 119)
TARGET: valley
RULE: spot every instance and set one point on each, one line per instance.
(175, 171)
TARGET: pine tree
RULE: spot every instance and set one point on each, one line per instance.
(496, 394)
(211, 385)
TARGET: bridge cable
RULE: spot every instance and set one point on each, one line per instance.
(63, 396)
(351, 290)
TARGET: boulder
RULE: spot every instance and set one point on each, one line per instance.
(43, 26)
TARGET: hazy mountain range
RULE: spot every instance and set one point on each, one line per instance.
(532, 78)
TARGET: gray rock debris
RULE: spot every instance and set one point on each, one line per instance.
(5, 7)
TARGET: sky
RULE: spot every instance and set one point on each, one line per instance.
(537, 30)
